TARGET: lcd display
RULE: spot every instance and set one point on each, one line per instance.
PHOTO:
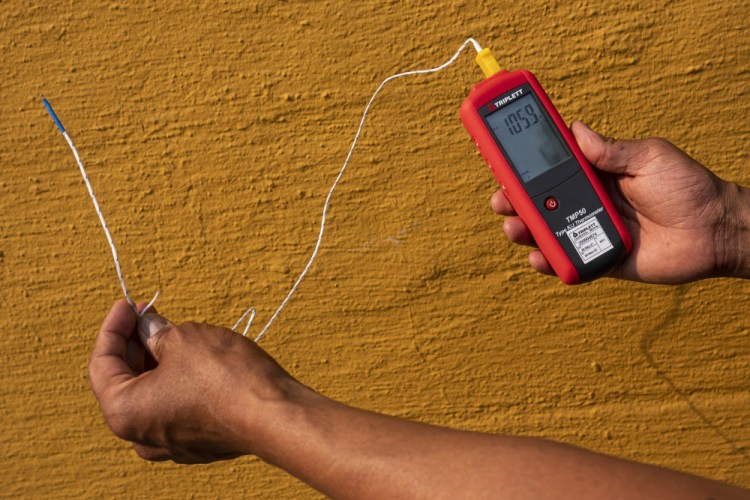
(530, 143)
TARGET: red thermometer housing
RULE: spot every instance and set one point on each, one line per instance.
(538, 164)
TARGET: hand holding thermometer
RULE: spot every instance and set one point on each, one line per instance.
(543, 173)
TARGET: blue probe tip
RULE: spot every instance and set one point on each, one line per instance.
(53, 115)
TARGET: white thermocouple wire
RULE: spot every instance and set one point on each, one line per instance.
(98, 212)
(251, 311)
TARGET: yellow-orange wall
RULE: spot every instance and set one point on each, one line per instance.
(212, 131)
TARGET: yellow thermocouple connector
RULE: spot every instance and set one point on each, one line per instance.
(488, 63)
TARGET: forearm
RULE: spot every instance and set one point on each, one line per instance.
(351, 453)
(217, 395)
(734, 237)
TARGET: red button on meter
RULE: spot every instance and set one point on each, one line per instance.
(551, 203)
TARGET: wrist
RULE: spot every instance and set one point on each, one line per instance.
(315, 439)
(268, 422)
(733, 236)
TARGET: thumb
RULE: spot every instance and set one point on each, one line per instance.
(151, 327)
(609, 155)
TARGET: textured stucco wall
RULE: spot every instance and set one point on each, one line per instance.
(212, 131)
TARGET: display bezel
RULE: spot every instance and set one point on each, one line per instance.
(555, 175)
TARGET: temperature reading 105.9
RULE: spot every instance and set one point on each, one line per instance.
(521, 120)
(527, 138)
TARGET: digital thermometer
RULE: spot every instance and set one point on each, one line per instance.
(543, 173)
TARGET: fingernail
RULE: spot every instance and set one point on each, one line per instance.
(586, 127)
(150, 323)
(591, 133)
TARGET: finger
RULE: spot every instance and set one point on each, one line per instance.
(107, 366)
(610, 155)
(134, 356)
(622, 205)
(159, 454)
(518, 232)
(150, 328)
(147, 362)
(202, 457)
(540, 263)
(500, 204)
(137, 357)
(151, 453)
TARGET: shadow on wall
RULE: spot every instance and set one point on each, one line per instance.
(647, 342)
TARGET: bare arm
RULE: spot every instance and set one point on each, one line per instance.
(347, 452)
(215, 395)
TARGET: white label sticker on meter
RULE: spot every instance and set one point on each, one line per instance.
(589, 240)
